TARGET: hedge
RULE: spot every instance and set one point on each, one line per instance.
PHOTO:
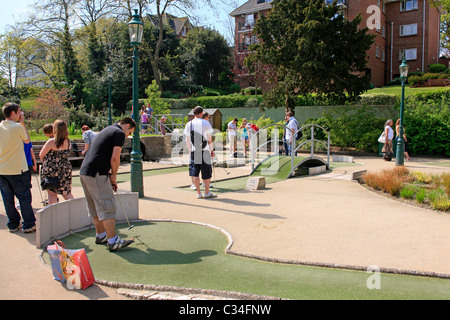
(229, 101)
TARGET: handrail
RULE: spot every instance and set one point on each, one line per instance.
(294, 149)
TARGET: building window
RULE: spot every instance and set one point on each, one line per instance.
(408, 54)
(383, 31)
(383, 55)
(407, 5)
(249, 20)
(408, 29)
(377, 52)
(339, 2)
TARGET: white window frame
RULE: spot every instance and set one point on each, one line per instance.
(408, 29)
(409, 54)
(249, 20)
(404, 5)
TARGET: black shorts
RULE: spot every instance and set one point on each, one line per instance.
(200, 162)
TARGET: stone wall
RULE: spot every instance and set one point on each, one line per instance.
(156, 147)
(61, 218)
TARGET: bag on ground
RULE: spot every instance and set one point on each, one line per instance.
(74, 268)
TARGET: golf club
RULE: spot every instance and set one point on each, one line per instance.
(130, 226)
(39, 187)
(226, 170)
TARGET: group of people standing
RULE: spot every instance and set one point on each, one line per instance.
(290, 129)
(98, 171)
(147, 118)
(244, 129)
(388, 148)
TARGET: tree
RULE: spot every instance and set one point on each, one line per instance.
(444, 7)
(205, 53)
(311, 47)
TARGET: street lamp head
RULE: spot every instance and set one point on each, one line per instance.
(403, 70)
(110, 73)
(136, 29)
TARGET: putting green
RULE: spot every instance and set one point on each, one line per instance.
(192, 256)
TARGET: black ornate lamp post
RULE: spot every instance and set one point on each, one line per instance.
(399, 158)
(109, 97)
(136, 28)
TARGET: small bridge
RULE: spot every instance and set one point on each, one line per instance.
(281, 165)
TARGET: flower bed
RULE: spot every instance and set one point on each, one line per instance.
(430, 190)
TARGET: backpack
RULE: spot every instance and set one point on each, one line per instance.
(254, 127)
(196, 138)
(299, 133)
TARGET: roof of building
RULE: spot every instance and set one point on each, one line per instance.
(251, 6)
(210, 111)
(175, 23)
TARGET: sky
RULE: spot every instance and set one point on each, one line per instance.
(13, 10)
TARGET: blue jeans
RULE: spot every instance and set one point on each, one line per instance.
(19, 186)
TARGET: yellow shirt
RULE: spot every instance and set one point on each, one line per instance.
(12, 154)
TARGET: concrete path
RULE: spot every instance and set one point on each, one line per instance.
(326, 219)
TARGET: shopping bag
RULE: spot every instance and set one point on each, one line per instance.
(74, 267)
(86, 276)
(54, 252)
(382, 138)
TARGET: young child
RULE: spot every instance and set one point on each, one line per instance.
(48, 130)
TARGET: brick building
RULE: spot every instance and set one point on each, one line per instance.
(403, 28)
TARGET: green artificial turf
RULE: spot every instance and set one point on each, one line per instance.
(192, 256)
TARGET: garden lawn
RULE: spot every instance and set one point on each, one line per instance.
(397, 90)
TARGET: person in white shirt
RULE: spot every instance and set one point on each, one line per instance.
(388, 146)
(291, 129)
(232, 136)
(198, 135)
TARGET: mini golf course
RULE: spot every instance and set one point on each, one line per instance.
(193, 256)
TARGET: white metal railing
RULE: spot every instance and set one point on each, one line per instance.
(254, 137)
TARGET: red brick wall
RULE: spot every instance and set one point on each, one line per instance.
(382, 71)
(425, 43)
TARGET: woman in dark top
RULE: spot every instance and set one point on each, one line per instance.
(54, 155)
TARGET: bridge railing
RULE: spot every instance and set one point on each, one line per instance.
(257, 145)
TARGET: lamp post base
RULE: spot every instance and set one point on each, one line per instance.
(137, 177)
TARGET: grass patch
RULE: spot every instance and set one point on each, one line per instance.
(397, 90)
(430, 189)
(187, 255)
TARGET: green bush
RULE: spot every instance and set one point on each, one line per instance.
(378, 99)
(420, 195)
(432, 95)
(427, 126)
(351, 128)
(229, 101)
(407, 192)
(437, 68)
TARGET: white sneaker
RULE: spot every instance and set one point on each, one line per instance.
(209, 195)
(199, 196)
